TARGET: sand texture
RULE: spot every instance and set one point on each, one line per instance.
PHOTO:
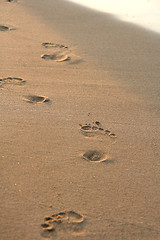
(79, 124)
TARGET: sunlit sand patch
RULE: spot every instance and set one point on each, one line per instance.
(36, 99)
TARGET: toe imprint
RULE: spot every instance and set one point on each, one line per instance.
(47, 227)
(112, 135)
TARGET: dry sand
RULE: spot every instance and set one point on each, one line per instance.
(92, 68)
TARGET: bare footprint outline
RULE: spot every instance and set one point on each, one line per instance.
(11, 81)
(54, 45)
(60, 53)
(68, 221)
(57, 57)
(95, 128)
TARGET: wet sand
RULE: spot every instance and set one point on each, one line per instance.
(79, 124)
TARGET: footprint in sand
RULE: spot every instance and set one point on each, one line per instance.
(11, 81)
(96, 156)
(95, 128)
(36, 99)
(4, 28)
(54, 45)
(68, 221)
(61, 53)
(58, 57)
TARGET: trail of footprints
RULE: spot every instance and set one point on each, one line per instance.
(69, 222)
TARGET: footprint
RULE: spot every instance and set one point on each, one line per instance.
(4, 28)
(36, 99)
(62, 53)
(95, 156)
(53, 45)
(56, 57)
(11, 81)
(95, 128)
(67, 221)
(69, 217)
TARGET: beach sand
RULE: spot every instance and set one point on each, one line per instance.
(79, 124)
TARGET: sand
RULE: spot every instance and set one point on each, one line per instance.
(79, 125)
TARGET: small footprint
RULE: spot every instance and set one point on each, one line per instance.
(95, 128)
(53, 45)
(67, 221)
(36, 99)
(60, 53)
(4, 28)
(56, 57)
(11, 81)
(96, 156)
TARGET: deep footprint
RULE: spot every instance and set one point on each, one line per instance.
(56, 57)
(4, 28)
(95, 128)
(94, 156)
(12, 81)
(36, 99)
(53, 45)
(68, 221)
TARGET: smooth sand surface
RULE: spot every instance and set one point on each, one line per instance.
(79, 124)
